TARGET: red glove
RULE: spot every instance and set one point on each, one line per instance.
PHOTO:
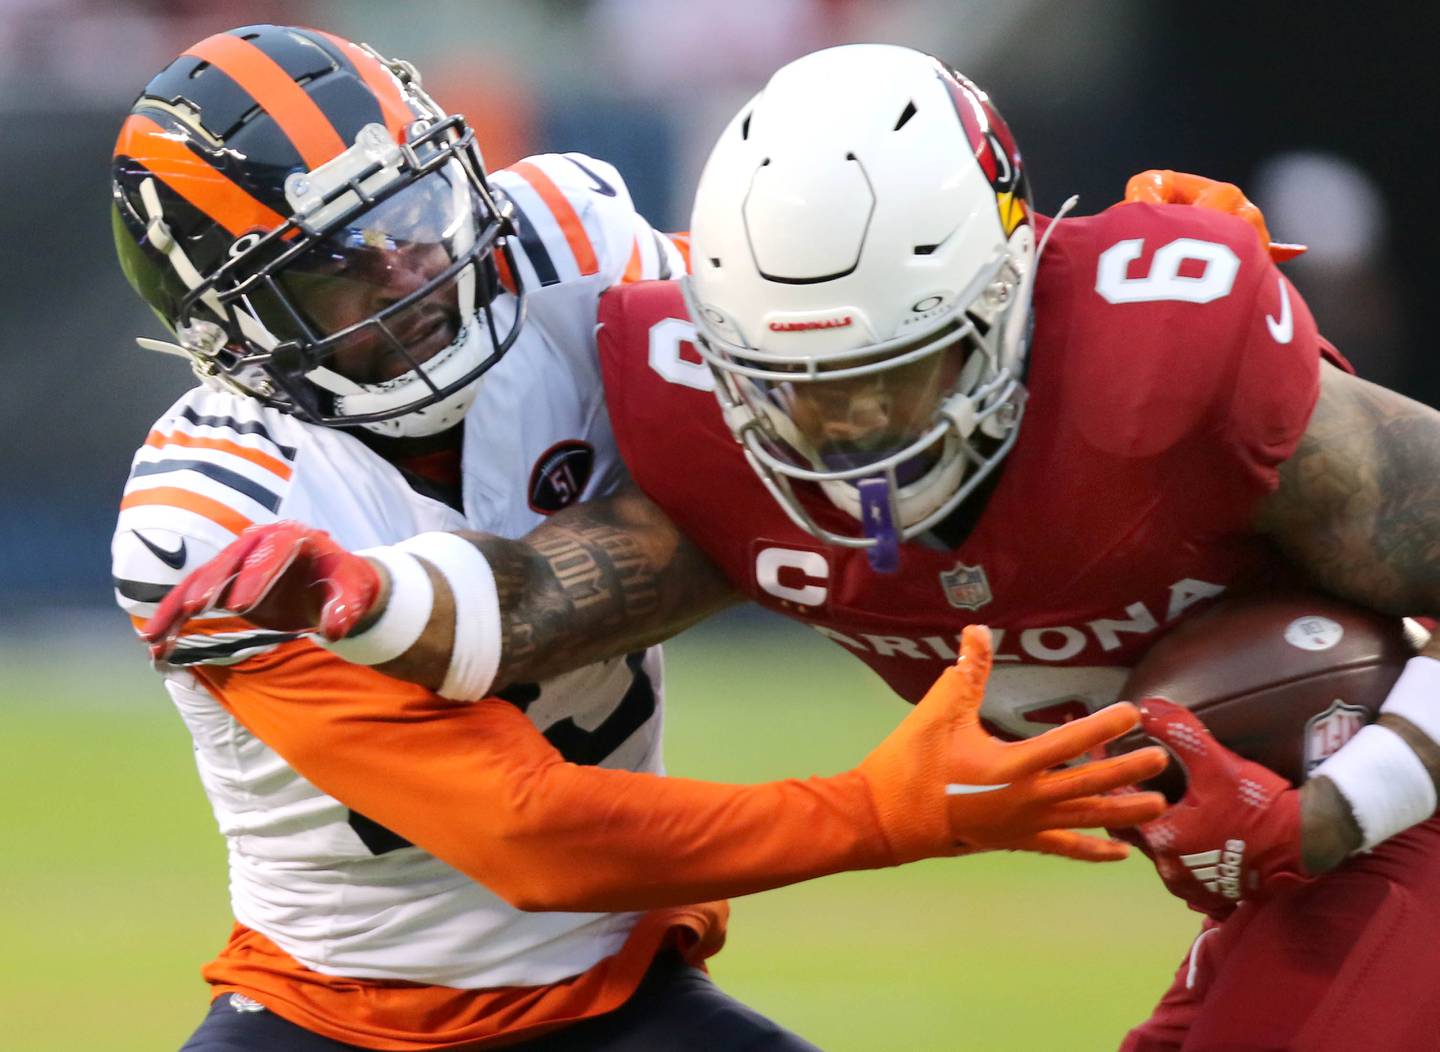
(283, 576)
(1163, 187)
(1236, 832)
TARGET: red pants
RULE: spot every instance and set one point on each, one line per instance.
(1348, 963)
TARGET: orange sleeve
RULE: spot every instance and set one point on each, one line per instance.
(479, 787)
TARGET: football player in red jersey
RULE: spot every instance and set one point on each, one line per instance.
(950, 410)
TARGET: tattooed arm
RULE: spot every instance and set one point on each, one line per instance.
(594, 581)
(1358, 506)
(1358, 509)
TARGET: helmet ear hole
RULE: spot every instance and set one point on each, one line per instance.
(906, 115)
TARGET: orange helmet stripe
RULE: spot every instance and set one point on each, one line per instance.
(563, 211)
(192, 177)
(380, 81)
(295, 112)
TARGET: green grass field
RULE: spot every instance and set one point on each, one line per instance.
(113, 889)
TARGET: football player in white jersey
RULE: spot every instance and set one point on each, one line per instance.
(393, 343)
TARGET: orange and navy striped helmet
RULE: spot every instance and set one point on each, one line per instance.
(267, 159)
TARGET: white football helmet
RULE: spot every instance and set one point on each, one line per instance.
(863, 257)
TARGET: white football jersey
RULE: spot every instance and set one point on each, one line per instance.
(340, 894)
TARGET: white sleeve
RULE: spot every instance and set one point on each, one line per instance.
(577, 222)
(208, 470)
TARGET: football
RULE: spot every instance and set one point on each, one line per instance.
(1283, 680)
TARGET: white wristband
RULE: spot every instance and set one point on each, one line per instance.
(1388, 788)
(405, 616)
(1416, 696)
(475, 656)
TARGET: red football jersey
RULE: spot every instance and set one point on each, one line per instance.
(1171, 370)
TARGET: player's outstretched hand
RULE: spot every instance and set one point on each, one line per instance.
(283, 576)
(944, 785)
(1160, 186)
(1235, 834)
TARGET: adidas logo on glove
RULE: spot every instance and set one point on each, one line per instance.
(1219, 870)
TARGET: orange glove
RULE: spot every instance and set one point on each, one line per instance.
(1160, 186)
(943, 785)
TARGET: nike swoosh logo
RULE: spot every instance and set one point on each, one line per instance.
(961, 789)
(601, 186)
(174, 559)
(1282, 329)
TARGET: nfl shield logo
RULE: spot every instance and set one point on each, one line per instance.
(966, 587)
(1327, 731)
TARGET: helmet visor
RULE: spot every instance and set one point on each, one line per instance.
(388, 289)
(859, 420)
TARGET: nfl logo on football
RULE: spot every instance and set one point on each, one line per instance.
(1327, 731)
(966, 587)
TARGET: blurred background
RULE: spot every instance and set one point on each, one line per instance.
(112, 885)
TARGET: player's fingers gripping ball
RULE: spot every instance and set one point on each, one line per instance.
(1235, 834)
(1159, 186)
(944, 785)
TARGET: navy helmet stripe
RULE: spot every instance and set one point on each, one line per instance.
(344, 98)
(296, 52)
(221, 103)
(227, 111)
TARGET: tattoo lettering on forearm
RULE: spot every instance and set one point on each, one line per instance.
(592, 567)
(595, 581)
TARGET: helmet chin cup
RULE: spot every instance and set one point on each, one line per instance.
(432, 418)
(455, 364)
